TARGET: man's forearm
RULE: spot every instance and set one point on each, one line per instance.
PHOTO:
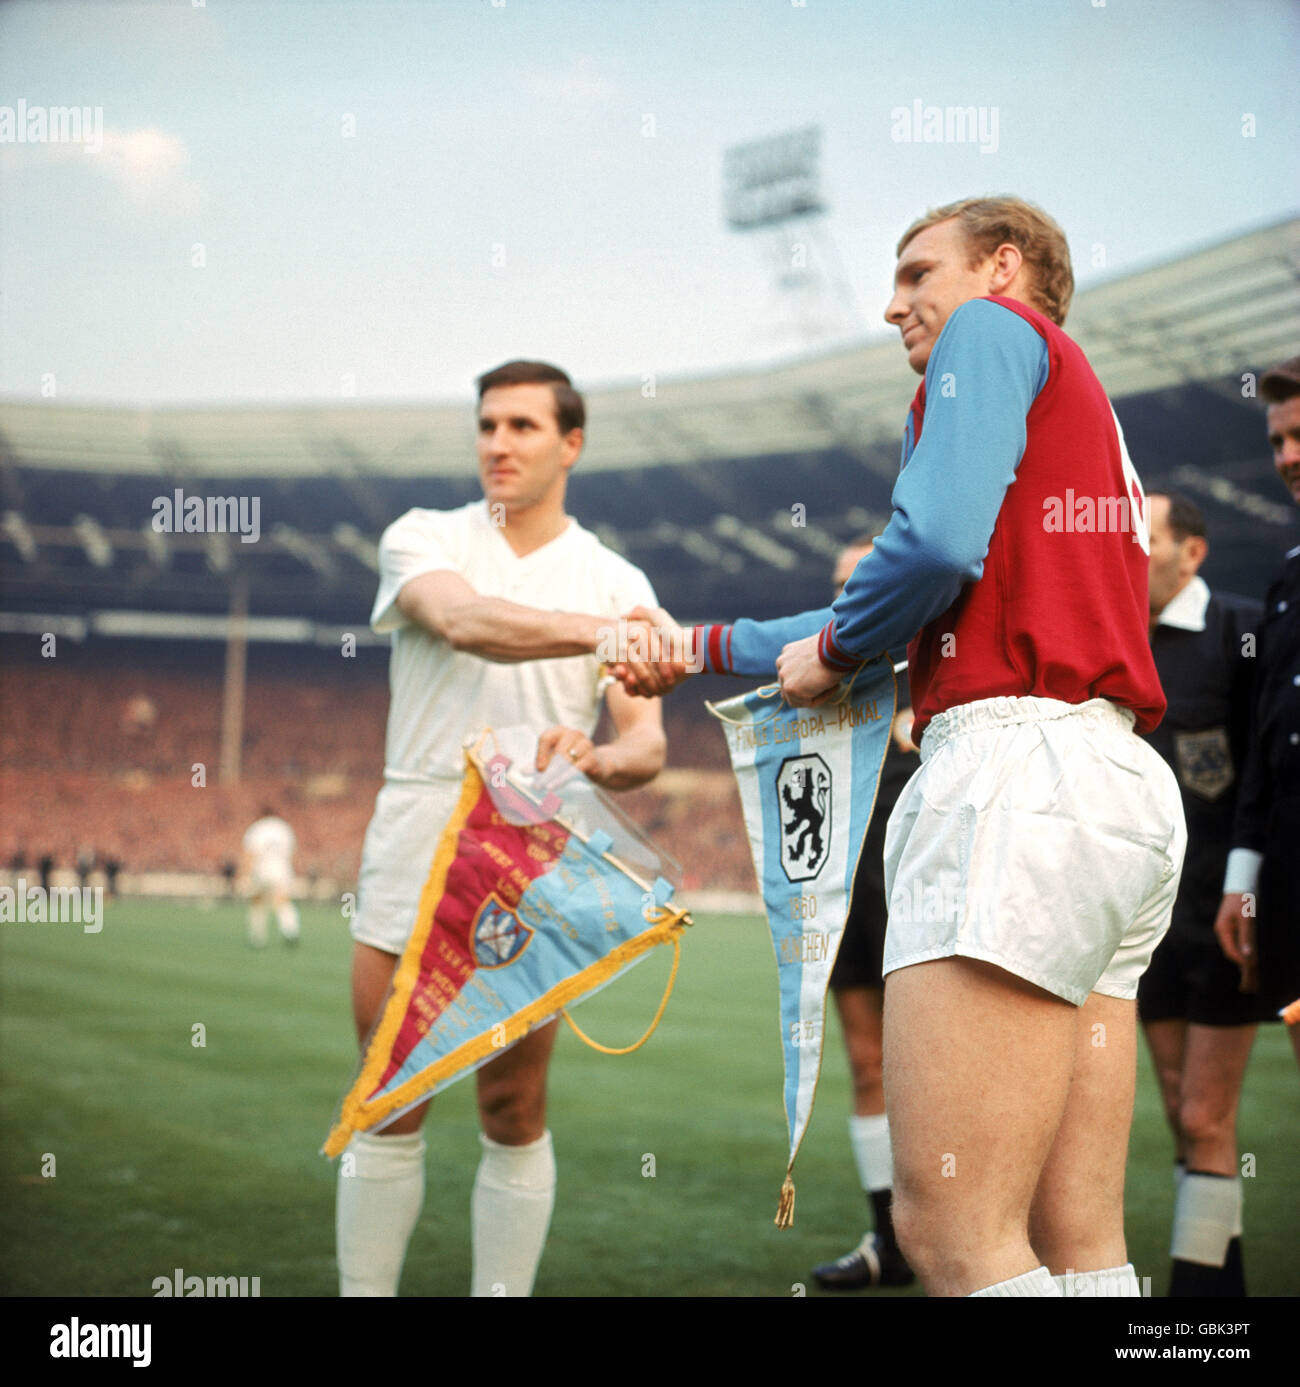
(632, 759)
(494, 629)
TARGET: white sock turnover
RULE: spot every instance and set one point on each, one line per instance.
(510, 1213)
(1113, 1281)
(1206, 1212)
(1038, 1282)
(869, 1137)
(381, 1189)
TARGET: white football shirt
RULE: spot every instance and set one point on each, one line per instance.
(270, 843)
(441, 696)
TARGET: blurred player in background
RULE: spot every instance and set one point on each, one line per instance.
(496, 611)
(1057, 832)
(858, 988)
(1199, 1024)
(1259, 917)
(267, 869)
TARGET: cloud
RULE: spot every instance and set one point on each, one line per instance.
(580, 83)
(148, 165)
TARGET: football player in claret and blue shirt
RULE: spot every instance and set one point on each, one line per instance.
(1015, 564)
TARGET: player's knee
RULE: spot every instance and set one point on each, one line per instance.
(408, 1123)
(512, 1113)
(918, 1233)
(1201, 1119)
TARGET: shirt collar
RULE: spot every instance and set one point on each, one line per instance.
(1187, 610)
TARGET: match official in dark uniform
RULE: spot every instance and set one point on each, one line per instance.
(1259, 918)
(1199, 1024)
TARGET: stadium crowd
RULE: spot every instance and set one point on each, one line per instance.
(113, 750)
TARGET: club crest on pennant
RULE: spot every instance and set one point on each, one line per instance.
(803, 788)
(499, 935)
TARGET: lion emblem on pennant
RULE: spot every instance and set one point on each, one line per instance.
(803, 786)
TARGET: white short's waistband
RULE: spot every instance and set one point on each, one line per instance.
(985, 713)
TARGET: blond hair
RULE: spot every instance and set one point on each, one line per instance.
(989, 222)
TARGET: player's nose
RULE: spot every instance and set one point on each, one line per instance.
(896, 309)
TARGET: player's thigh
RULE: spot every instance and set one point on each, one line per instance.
(1079, 1201)
(372, 972)
(977, 1069)
(512, 1088)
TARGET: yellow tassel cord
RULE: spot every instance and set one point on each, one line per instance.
(785, 1207)
(654, 1025)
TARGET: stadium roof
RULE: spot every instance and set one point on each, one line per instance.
(1203, 319)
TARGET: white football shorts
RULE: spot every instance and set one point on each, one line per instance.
(400, 843)
(270, 877)
(1041, 836)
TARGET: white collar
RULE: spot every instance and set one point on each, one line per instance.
(1187, 610)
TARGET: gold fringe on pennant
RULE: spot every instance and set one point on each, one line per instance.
(785, 1209)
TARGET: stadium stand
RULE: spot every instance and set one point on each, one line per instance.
(734, 494)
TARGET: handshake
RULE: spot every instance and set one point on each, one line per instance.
(648, 652)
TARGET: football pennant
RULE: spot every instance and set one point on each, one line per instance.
(807, 779)
(539, 894)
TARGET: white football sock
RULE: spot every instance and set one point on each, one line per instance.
(257, 925)
(510, 1212)
(1113, 1281)
(1038, 1282)
(380, 1193)
(869, 1137)
(1206, 1211)
(286, 916)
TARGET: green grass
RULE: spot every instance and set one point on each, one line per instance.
(171, 1155)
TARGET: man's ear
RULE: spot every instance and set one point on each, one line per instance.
(1007, 264)
(1197, 549)
(573, 441)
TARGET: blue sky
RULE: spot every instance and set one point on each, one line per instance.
(505, 195)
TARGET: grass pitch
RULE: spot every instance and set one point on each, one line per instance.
(166, 1153)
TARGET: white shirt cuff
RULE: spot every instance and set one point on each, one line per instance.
(1242, 872)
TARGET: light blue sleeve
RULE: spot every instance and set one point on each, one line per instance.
(984, 373)
(755, 645)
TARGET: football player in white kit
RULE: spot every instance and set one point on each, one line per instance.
(268, 868)
(496, 611)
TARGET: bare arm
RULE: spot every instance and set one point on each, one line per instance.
(635, 755)
(492, 628)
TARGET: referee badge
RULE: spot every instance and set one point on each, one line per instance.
(1204, 761)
